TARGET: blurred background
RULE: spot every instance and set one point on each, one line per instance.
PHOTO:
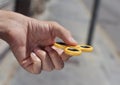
(94, 22)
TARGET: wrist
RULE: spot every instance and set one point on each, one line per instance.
(9, 21)
(3, 32)
(4, 27)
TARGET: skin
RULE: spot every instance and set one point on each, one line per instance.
(31, 41)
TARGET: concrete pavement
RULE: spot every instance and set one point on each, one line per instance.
(101, 67)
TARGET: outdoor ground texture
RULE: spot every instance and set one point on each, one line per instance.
(101, 67)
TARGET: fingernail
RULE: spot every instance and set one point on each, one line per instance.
(33, 54)
(25, 61)
(73, 40)
(34, 57)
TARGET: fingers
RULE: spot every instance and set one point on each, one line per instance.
(47, 64)
(63, 33)
(64, 56)
(56, 59)
(32, 64)
(36, 67)
(51, 60)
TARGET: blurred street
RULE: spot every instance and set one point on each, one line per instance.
(100, 67)
(108, 18)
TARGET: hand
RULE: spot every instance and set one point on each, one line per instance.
(31, 42)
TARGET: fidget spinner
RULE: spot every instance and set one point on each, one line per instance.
(73, 50)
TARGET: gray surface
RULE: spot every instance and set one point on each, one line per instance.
(101, 67)
(109, 18)
(7, 4)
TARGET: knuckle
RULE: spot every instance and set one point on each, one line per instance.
(43, 53)
(38, 72)
(44, 58)
(61, 66)
(65, 57)
(53, 22)
(33, 72)
(53, 53)
(49, 69)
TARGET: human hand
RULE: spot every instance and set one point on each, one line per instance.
(31, 42)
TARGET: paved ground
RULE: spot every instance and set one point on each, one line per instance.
(109, 18)
(101, 67)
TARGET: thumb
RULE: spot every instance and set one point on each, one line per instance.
(64, 34)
